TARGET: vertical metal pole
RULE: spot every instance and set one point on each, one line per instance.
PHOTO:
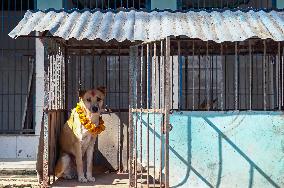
(167, 110)
(222, 79)
(141, 113)
(278, 76)
(136, 120)
(132, 95)
(250, 76)
(154, 123)
(206, 76)
(282, 79)
(45, 125)
(264, 75)
(180, 77)
(236, 77)
(193, 75)
(161, 106)
(148, 107)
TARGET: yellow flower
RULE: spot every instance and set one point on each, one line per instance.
(86, 122)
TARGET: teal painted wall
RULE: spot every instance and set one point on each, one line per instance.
(45, 4)
(220, 149)
(280, 3)
(164, 4)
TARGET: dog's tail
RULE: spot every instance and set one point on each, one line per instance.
(62, 164)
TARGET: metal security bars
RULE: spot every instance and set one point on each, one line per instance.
(231, 4)
(230, 76)
(16, 71)
(185, 74)
(149, 108)
(107, 4)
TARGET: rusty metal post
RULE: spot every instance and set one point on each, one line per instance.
(167, 108)
(264, 76)
(250, 76)
(148, 77)
(154, 106)
(236, 77)
(193, 75)
(222, 79)
(45, 122)
(278, 76)
(132, 76)
(141, 112)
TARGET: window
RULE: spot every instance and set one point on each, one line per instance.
(17, 5)
(196, 4)
(105, 4)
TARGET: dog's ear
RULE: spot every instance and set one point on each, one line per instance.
(102, 89)
(81, 93)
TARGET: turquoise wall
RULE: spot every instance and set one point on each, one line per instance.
(164, 4)
(45, 4)
(280, 3)
(220, 149)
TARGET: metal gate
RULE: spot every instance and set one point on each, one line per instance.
(149, 108)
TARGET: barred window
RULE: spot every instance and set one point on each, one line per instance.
(196, 4)
(105, 4)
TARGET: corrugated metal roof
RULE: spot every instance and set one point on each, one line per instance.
(150, 26)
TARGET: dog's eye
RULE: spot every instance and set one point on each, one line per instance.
(99, 99)
(89, 99)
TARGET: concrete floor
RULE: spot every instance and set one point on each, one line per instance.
(102, 180)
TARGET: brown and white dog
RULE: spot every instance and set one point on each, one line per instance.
(74, 144)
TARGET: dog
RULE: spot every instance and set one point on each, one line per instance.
(77, 140)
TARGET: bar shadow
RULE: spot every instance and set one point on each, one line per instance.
(253, 166)
(221, 137)
(184, 161)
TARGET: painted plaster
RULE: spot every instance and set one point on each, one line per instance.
(220, 149)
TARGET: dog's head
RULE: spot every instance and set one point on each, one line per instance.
(93, 99)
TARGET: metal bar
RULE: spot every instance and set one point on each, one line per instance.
(264, 76)
(282, 79)
(199, 78)
(180, 77)
(141, 107)
(132, 66)
(167, 109)
(136, 122)
(154, 119)
(250, 76)
(206, 82)
(236, 77)
(278, 76)
(193, 75)
(186, 81)
(161, 106)
(147, 110)
(222, 79)
(45, 126)
(148, 106)
(119, 106)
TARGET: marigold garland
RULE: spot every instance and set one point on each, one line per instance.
(86, 122)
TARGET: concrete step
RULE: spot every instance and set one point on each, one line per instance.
(18, 173)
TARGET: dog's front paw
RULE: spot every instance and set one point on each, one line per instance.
(82, 179)
(91, 178)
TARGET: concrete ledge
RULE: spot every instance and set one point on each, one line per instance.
(17, 165)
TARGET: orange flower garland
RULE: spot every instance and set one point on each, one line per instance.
(86, 122)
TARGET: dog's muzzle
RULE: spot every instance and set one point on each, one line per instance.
(95, 109)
